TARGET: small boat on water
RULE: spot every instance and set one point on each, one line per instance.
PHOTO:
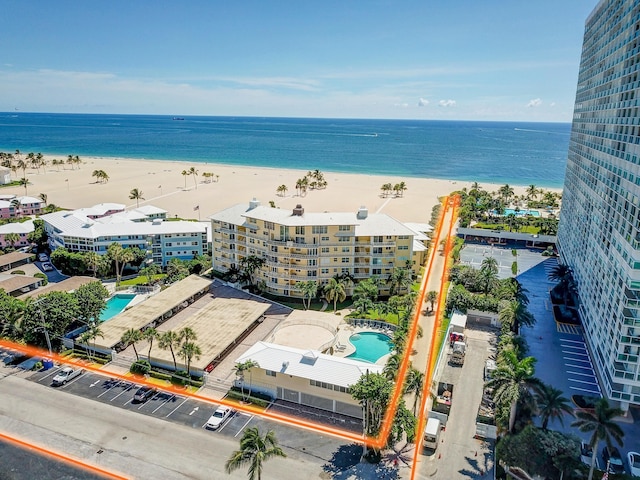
(178, 118)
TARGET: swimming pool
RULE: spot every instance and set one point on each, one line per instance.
(115, 305)
(521, 213)
(370, 346)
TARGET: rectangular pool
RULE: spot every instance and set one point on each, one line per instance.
(115, 305)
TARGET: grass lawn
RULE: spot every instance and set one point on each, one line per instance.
(142, 280)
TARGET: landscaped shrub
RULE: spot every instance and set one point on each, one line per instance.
(514, 268)
(140, 367)
(259, 402)
(160, 376)
(180, 378)
(44, 278)
(514, 252)
(17, 272)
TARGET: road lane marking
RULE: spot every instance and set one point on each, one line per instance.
(194, 410)
(95, 383)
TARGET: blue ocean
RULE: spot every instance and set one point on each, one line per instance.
(498, 152)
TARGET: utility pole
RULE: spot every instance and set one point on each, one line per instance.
(44, 327)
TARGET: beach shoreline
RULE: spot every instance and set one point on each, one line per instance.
(186, 196)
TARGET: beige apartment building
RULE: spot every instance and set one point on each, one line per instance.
(298, 246)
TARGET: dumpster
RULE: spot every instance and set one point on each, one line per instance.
(47, 363)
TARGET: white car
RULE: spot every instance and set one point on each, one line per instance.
(634, 463)
(65, 375)
(42, 257)
(218, 417)
(586, 453)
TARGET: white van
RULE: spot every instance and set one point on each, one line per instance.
(432, 433)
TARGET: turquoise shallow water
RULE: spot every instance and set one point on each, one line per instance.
(115, 305)
(370, 346)
(499, 152)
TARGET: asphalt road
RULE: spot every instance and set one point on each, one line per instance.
(153, 439)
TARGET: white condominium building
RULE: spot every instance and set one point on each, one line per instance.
(144, 228)
(599, 232)
(299, 246)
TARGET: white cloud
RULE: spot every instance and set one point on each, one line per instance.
(552, 104)
(423, 102)
(403, 105)
(536, 102)
(447, 103)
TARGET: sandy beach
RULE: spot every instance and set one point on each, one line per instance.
(163, 185)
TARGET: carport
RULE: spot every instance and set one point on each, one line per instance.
(152, 312)
(220, 326)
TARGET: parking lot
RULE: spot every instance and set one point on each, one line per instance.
(473, 254)
(183, 410)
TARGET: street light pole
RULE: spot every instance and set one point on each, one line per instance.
(44, 327)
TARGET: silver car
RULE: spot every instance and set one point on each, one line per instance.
(65, 375)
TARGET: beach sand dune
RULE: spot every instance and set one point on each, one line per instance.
(163, 185)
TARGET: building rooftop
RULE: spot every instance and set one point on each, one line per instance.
(11, 283)
(217, 325)
(13, 257)
(309, 364)
(149, 210)
(365, 225)
(17, 227)
(67, 285)
(151, 309)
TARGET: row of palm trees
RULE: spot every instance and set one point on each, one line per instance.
(194, 173)
(398, 189)
(19, 161)
(181, 343)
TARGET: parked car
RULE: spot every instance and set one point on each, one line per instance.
(614, 459)
(586, 452)
(47, 267)
(144, 393)
(42, 257)
(218, 417)
(634, 463)
(66, 375)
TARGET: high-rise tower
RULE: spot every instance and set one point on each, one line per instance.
(598, 236)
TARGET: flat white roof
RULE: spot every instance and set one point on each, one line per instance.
(459, 320)
(372, 224)
(309, 364)
(17, 227)
(76, 224)
(149, 210)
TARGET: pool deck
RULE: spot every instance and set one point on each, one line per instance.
(343, 347)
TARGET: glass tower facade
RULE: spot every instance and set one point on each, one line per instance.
(598, 236)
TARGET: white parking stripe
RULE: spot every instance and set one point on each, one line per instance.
(124, 391)
(160, 406)
(173, 411)
(144, 403)
(109, 389)
(250, 418)
(581, 374)
(574, 347)
(582, 381)
(577, 354)
(583, 390)
(587, 367)
(572, 341)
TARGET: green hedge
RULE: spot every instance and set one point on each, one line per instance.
(17, 272)
(44, 278)
(257, 399)
(140, 367)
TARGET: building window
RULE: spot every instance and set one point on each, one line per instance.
(344, 228)
(270, 373)
(319, 229)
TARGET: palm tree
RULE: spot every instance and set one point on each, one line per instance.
(489, 273)
(240, 369)
(15, 205)
(282, 190)
(563, 274)
(150, 334)
(254, 451)
(432, 298)
(70, 161)
(11, 238)
(194, 172)
(189, 351)
(23, 182)
(335, 292)
(187, 334)
(92, 259)
(552, 405)
(44, 198)
(136, 195)
(130, 337)
(413, 384)
(309, 290)
(92, 333)
(599, 421)
(506, 193)
(514, 314)
(121, 257)
(512, 380)
(512, 289)
(184, 174)
(399, 280)
(532, 192)
(170, 341)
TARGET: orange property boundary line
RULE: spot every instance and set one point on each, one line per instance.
(431, 359)
(376, 442)
(62, 457)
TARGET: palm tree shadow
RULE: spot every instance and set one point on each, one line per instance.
(480, 466)
(345, 457)
(345, 463)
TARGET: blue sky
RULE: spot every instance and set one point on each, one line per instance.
(422, 59)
